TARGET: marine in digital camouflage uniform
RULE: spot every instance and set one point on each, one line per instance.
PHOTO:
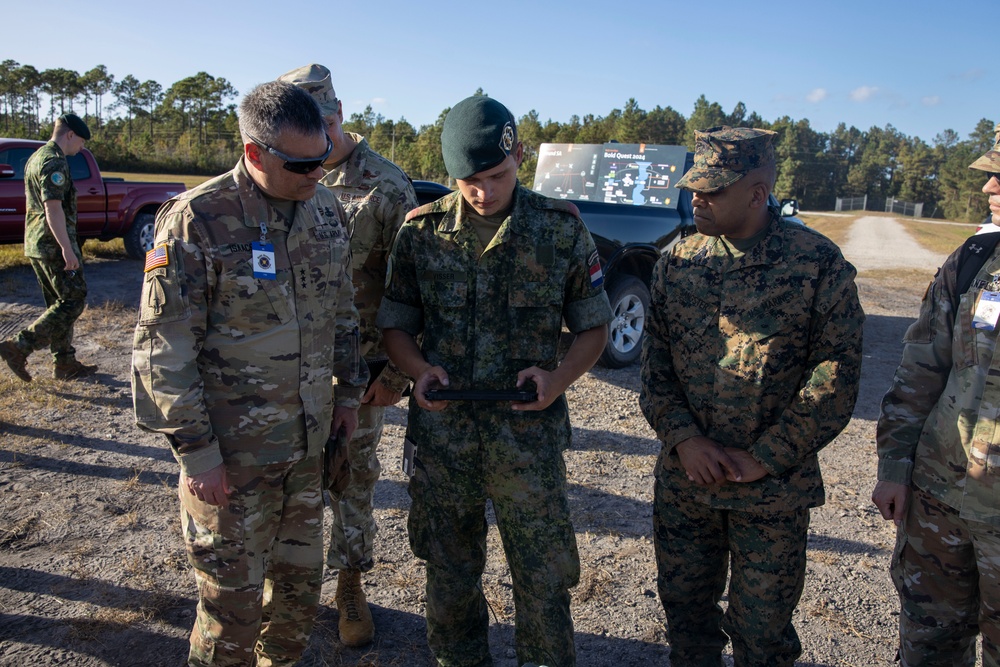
(376, 196)
(51, 246)
(236, 364)
(939, 465)
(485, 276)
(750, 366)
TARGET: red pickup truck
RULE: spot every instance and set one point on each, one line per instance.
(107, 208)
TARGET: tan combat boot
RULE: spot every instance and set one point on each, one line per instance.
(72, 369)
(356, 626)
(16, 359)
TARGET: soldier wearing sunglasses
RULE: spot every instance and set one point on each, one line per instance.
(247, 316)
(939, 459)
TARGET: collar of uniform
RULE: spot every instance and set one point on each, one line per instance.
(351, 173)
(769, 250)
(255, 206)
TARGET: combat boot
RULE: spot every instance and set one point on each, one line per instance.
(16, 359)
(356, 626)
(72, 369)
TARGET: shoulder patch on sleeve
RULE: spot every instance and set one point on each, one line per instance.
(594, 268)
(156, 257)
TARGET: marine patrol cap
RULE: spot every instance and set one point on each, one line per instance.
(75, 123)
(990, 160)
(724, 155)
(315, 80)
(478, 134)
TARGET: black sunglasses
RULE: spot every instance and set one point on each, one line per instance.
(992, 174)
(296, 165)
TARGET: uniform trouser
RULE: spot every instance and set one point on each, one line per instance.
(258, 563)
(694, 544)
(947, 573)
(353, 531)
(447, 527)
(65, 298)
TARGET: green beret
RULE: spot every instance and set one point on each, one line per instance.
(75, 123)
(724, 155)
(478, 134)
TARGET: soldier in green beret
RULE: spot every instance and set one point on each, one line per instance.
(938, 458)
(484, 278)
(750, 365)
(51, 246)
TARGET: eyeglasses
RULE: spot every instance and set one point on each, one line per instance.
(992, 174)
(296, 165)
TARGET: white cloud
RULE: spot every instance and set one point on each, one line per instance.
(974, 74)
(378, 100)
(816, 95)
(930, 101)
(864, 93)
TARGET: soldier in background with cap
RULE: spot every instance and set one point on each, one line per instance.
(376, 195)
(51, 245)
(750, 365)
(485, 276)
(938, 458)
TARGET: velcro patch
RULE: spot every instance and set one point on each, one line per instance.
(156, 257)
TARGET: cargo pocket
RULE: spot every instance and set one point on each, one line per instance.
(535, 311)
(214, 537)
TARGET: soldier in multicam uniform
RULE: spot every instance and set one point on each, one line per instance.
(485, 277)
(750, 365)
(939, 457)
(246, 317)
(376, 195)
(51, 245)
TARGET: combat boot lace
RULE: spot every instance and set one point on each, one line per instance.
(72, 369)
(356, 626)
(16, 359)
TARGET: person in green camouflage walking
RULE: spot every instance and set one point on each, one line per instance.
(750, 365)
(484, 277)
(939, 459)
(51, 245)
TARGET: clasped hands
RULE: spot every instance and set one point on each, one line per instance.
(707, 462)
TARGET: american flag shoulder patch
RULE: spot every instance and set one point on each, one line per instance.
(596, 275)
(156, 257)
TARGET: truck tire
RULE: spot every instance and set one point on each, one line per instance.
(139, 238)
(629, 299)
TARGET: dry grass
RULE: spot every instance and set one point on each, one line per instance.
(942, 238)
(189, 180)
(912, 280)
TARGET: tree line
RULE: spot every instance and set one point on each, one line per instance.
(192, 127)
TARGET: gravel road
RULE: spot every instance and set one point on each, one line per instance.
(92, 570)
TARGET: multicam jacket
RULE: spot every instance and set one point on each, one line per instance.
(938, 430)
(239, 369)
(46, 177)
(376, 195)
(484, 319)
(760, 352)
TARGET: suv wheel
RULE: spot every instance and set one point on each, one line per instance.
(140, 236)
(629, 299)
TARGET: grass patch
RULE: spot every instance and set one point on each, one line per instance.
(188, 180)
(941, 238)
(901, 277)
(835, 229)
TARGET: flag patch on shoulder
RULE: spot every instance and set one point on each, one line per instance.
(156, 257)
(596, 275)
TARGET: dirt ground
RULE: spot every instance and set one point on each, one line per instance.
(92, 570)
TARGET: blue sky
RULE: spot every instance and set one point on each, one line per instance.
(917, 65)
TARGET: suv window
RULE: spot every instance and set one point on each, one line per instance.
(79, 169)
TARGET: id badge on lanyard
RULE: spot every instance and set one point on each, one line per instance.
(987, 311)
(263, 257)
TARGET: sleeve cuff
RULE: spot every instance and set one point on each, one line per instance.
(393, 378)
(588, 313)
(345, 396)
(770, 453)
(200, 460)
(677, 436)
(899, 472)
(395, 315)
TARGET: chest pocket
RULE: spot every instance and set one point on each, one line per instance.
(444, 293)
(964, 337)
(247, 305)
(777, 342)
(535, 313)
